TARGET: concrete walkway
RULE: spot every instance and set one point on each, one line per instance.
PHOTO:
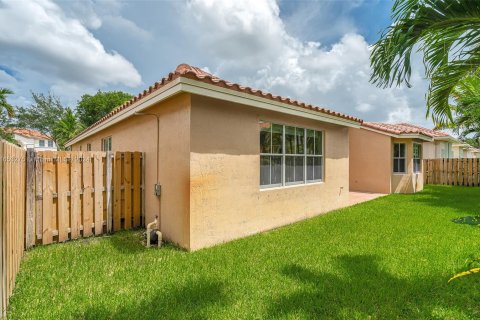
(359, 197)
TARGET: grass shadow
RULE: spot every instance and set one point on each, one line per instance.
(459, 199)
(368, 291)
(193, 300)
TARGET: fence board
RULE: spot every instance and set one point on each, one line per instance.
(87, 189)
(108, 187)
(117, 193)
(98, 193)
(75, 199)
(30, 200)
(47, 203)
(136, 189)
(127, 183)
(63, 187)
(457, 172)
(12, 217)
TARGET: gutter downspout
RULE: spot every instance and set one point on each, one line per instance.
(157, 187)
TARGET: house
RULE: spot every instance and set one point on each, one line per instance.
(387, 158)
(230, 160)
(29, 138)
(464, 150)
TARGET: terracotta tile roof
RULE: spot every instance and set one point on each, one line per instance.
(29, 133)
(190, 72)
(404, 128)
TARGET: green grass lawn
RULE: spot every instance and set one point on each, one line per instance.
(386, 259)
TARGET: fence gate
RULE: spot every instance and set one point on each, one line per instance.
(456, 172)
(72, 194)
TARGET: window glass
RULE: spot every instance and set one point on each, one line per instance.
(265, 138)
(314, 168)
(89, 147)
(276, 170)
(50, 143)
(41, 143)
(264, 170)
(277, 138)
(318, 143)
(290, 140)
(310, 141)
(417, 157)
(300, 141)
(289, 155)
(399, 158)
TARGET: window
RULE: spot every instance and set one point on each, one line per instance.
(289, 155)
(417, 158)
(50, 143)
(41, 143)
(89, 147)
(399, 157)
(107, 144)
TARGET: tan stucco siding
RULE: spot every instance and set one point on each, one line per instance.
(408, 182)
(139, 133)
(370, 161)
(226, 201)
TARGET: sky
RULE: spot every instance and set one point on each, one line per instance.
(312, 51)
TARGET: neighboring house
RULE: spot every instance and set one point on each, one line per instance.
(232, 161)
(29, 138)
(387, 158)
(464, 150)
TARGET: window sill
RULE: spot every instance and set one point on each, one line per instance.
(292, 186)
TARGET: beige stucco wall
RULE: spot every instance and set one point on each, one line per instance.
(408, 182)
(226, 201)
(139, 133)
(370, 161)
(430, 150)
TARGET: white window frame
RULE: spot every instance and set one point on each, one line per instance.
(107, 143)
(305, 156)
(41, 143)
(50, 143)
(420, 158)
(400, 158)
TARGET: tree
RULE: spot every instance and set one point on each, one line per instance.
(6, 114)
(66, 128)
(91, 108)
(466, 107)
(448, 34)
(42, 115)
(4, 105)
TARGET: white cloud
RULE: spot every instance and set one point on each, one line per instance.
(248, 42)
(43, 39)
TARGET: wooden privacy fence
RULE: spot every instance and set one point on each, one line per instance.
(456, 172)
(71, 194)
(12, 217)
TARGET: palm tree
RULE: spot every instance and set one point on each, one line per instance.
(448, 34)
(4, 105)
(66, 128)
(466, 97)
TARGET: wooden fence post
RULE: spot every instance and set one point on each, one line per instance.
(108, 189)
(30, 199)
(3, 285)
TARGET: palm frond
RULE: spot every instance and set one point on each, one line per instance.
(447, 32)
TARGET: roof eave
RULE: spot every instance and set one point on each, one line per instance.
(401, 135)
(187, 85)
